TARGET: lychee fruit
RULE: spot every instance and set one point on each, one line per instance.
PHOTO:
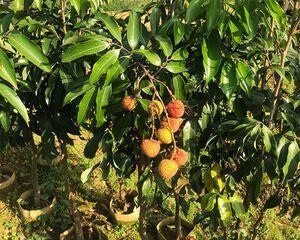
(150, 147)
(165, 135)
(167, 168)
(174, 123)
(179, 156)
(156, 107)
(175, 108)
(129, 103)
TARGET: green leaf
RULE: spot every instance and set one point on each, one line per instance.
(251, 19)
(212, 14)
(116, 70)
(5, 120)
(7, 71)
(236, 30)
(144, 103)
(208, 201)
(86, 174)
(85, 105)
(179, 87)
(176, 67)
(18, 5)
(74, 93)
(244, 76)
(81, 49)
(30, 51)
(38, 4)
(77, 4)
(134, 30)
(147, 184)
(154, 19)
(211, 51)
(276, 12)
(237, 205)
(180, 54)
(228, 81)
(178, 30)
(292, 161)
(102, 101)
(194, 10)
(151, 56)
(269, 139)
(165, 44)
(111, 26)
(11, 96)
(224, 209)
(189, 136)
(102, 65)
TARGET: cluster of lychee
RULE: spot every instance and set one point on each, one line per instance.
(169, 166)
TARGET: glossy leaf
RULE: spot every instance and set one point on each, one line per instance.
(179, 87)
(134, 30)
(18, 5)
(7, 71)
(77, 4)
(74, 93)
(85, 105)
(30, 51)
(86, 174)
(237, 205)
(244, 76)
(103, 64)
(176, 67)
(292, 161)
(228, 81)
(165, 44)
(38, 4)
(224, 208)
(211, 51)
(277, 12)
(194, 10)
(151, 56)
(154, 19)
(102, 101)
(116, 70)
(111, 25)
(180, 54)
(85, 48)
(212, 14)
(178, 31)
(269, 140)
(5, 120)
(11, 96)
(208, 201)
(236, 30)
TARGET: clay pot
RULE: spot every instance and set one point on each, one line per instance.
(124, 218)
(8, 182)
(171, 221)
(70, 233)
(33, 215)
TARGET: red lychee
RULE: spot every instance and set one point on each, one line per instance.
(167, 168)
(174, 123)
(129, 103)
(179, 156)
(150, 147)
(175, 108)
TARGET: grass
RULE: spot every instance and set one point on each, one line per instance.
(88, 198)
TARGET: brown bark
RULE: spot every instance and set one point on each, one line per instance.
(142, 204)
(178, 229)
(34, 176)
(70, 195)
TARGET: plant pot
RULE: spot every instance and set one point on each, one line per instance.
(70, 233)
(33, 215)
(125, 218)
(171, 221)
(4, 185)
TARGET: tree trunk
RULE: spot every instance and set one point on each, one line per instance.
(142, 204)
(34, 175)
(70, 195)
(178, 229)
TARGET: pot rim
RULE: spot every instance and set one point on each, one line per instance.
(7, 183)
(65, 233)
(169, 220)
(32, 215)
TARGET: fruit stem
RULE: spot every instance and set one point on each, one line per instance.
(152, 79)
